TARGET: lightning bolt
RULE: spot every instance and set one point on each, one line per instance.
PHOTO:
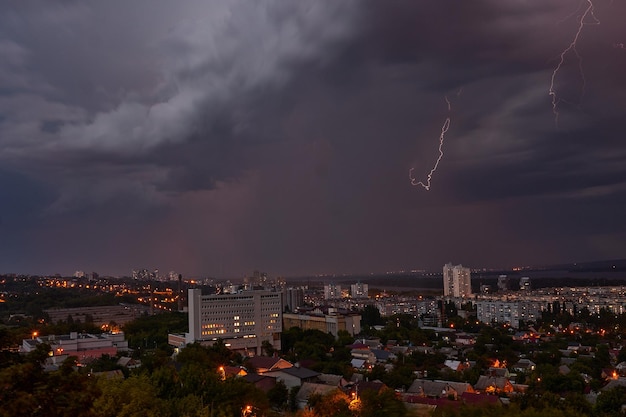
(587, 18)
(444, 130)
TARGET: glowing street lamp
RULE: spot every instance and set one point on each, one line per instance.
(222, 372)
(246, 411)
(35, 334)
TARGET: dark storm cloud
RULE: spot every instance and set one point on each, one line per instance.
(218, 137)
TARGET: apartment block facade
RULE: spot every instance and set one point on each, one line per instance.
(243, 321)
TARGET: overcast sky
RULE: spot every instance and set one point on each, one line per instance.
(219, 137)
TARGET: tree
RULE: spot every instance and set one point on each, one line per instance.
(382, 403)
(278, 395)
(267, 348)
(333, 404)
(132, 397)
(610, 402)
(370, 316)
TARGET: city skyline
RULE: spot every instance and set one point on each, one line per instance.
(218, 138)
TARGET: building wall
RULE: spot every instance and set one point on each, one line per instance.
(80, 345)
(359, 290)
(243, 320)
(457, 281)
(331, 323)
(332, 291)
(293, 298)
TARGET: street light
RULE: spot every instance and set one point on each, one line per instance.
(222, 372)
(35, 334)
(246, 411)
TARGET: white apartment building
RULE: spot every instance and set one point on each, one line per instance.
(508, 312)
(332, 291)
(457, 281)
(243, 321)
(359, 290)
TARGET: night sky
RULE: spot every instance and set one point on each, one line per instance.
(219, 137)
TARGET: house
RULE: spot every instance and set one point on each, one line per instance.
(399, 350)
(294, 376)
(619, 382)
(234, 371)
(262, 382)
(455, 365)
(264, 364)
(524, 365)
(334, 380)
(364, 353)
(358, 363)
(361, 386)
(621, 368)
(564, 370)
(609, 373)
(310, 388)
(493, 385)
(465, 340)
(129, 363)
(498, 372)
(438, 388)
(383, 356)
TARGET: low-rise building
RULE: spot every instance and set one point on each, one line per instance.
(331, 323)
(81, 345)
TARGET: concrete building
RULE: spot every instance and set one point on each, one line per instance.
(293, 298)
(243, 321)
(457, 281)
(503, 283)
(81, 345)
(524, 284)
(359, 290)
(509, 312)
(327, 323)
(332, 291)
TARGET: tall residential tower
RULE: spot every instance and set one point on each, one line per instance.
(457, 281)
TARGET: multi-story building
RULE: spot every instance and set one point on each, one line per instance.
(243, 321)
(293, 298)
(503, 283)
(359, 290)
(509, 312)
(332, 291)
(457, 281)
(327, 323)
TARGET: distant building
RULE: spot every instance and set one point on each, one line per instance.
(81, 345)
(457, 281)
(327, 323)
(509, 312)
(332, 291)
(503, 283)
(292, 299)
(524, 284)
(359, 290)
(243, 321)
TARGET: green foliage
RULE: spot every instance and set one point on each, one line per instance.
(384, 403)
(29, 391)
(333, 404)
(151, 331)
(609, 402)
(278, 395)
(370, 316)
